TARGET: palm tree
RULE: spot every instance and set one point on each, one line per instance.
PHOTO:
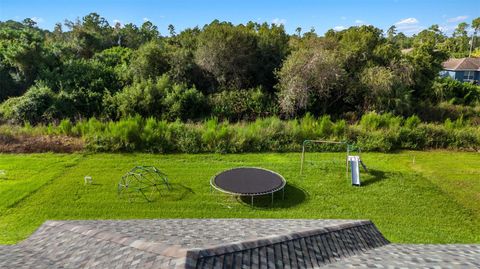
(476, 27)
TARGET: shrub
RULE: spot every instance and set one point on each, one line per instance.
(216, 136)
(35, 106)
(412, 122)
(161, 99)
(241, 104)
(183, 103)
(373, 121)
(143, 98)
(376, 133)
(188, 138)
(456, 92)
(156, 136)
(382, 140)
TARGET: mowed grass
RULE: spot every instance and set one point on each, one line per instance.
(413, 197)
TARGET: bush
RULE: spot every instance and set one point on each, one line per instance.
(183, 103)
(456, 92)
(443, 111)
(373, 121)
(374, 133)
(238, 105)
(81, 85)
(118, 136)
(161, 99)
(143, 98)
(35, 106)
(156, 136)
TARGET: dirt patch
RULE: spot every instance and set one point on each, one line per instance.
(43, 143)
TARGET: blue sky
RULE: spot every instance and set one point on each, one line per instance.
(410, 16)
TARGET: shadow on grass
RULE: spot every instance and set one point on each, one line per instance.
(293, 196)
(376, 176)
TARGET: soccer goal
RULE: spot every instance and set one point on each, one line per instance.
(307, 143)
(352, 161)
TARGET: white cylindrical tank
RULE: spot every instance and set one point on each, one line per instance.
(355, 169)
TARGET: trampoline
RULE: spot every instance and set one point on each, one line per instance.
(249, 181)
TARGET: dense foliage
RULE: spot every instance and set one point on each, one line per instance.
(232, 72)
(374, 132)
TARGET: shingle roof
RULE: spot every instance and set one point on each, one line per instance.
(219, 243)
(462, 64)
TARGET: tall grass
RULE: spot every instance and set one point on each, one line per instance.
(374, 132)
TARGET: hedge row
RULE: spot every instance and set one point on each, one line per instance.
(373, 132)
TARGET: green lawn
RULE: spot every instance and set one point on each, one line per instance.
(435, 199)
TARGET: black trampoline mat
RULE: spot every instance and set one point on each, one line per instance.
(249, 181)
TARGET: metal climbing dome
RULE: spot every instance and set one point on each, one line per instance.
(146, 180)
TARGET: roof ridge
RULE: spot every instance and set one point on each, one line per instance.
(273, 239)
(460, 62)
(348, 238)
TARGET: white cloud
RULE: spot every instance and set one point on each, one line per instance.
(115, 21)
(409, 26)
(146, 19)
(444, 28)
(339, 28)
(359, 22)
(457, 19)
(406, 21)
(410, 29)
(278, 21)
(37, 19)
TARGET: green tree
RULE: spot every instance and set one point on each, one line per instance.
(308, 75)
(298, 31)
(460, 37)
(388, 87)
(129, 36)
(159, 98)
(171, 30)
(143, 97)
(35, 106)
(391, 33)
(117, 58)
(181, 60)
(149, 31)
(149, 61)
(22, 56)
(81, 85)
(426, 61)
(228, 53)
(476, 28)
(92, 34)
(358, 45)
(272, 49)
(29, 23)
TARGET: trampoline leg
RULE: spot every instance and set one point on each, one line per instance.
(251, 197)
(272, 198)
(283, 193)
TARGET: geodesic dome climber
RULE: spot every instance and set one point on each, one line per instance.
(146, 180)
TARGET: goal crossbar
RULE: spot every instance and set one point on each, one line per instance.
(313, 141)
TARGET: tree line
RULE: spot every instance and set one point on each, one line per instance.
(89, 68)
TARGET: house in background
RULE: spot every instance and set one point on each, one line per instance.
(463, 69)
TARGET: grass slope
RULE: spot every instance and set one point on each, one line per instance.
(431, 200)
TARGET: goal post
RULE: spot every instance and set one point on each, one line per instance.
(308, 141)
